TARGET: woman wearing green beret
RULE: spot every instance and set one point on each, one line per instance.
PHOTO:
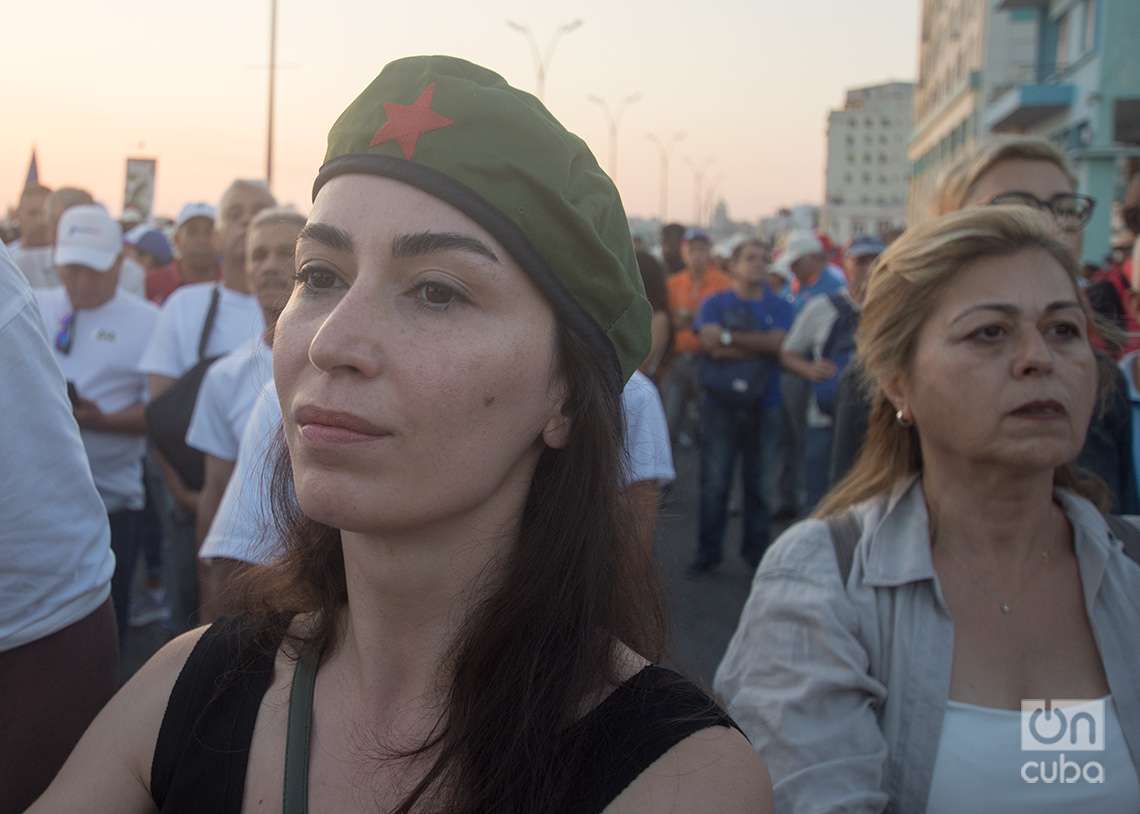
(463, 620)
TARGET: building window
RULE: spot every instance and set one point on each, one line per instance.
(847, 179)
(866, 178)
(866, 158)
(1063, 26)
(1089, 42)
(858, 227)
(850, 141)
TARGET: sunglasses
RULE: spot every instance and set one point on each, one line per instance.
(1070, 209)
(66, 335)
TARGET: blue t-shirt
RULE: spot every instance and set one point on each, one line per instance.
(830, 280)
(734, 313)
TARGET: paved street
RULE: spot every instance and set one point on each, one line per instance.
(702, 612)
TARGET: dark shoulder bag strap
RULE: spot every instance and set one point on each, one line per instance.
(845, 532)
(208, 323)
(298, 733)
(1127, 534)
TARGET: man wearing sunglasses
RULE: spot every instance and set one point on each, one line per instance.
(100, 333)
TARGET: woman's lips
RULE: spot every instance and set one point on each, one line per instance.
(1042, 410)
(325, 426)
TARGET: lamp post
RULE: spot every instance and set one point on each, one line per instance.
(614, 118)
(698, 185)
(542, 59)
(665, 147)
(272, 91)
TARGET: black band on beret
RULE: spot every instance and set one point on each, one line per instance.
(509, 236)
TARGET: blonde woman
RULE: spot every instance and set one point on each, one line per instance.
(1031, 172)
(981, 570)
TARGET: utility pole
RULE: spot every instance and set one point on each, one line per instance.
(542, 59)
(664, 148)
(614, 119)
(698, 186)
(272, 91)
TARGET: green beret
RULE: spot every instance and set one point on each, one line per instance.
(460, 133)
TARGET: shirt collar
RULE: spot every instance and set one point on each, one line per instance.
(898, 550)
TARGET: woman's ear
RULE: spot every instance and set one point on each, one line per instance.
(896, 391)
(556, 431)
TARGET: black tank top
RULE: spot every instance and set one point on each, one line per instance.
(203, 745)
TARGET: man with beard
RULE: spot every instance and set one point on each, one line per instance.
(232, 384)
(230, 316)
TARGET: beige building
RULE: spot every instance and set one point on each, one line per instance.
(970, 51)
(867, 167)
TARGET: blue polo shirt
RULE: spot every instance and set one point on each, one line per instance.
(769, 313)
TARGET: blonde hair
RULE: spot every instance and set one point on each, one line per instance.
(959, 179)
(905, 287)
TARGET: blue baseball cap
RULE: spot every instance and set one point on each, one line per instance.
(695, 233)
(153, 242)
(865, 246)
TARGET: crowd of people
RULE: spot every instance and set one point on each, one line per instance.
(389, 475)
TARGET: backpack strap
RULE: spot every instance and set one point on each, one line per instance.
(1127, 533)
(208, 323)
(845, 533)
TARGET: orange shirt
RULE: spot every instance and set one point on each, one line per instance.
(686, 298)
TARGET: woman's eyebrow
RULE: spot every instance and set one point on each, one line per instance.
(1012, 310)
(421, 243)
(332, 236)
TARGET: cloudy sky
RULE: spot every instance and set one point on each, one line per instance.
(748, 81)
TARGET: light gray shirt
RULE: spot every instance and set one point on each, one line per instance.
(842, 689)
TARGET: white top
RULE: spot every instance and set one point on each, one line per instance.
(243, 528)
(37, 264)
(807, 337)
(55, 545)
(981, 767)
(649, 456)
(174, 348)
(107, 344)
(132, 278)
(229, 390)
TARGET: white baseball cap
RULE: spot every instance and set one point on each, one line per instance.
(88, 236)
(195, 210)
(800, 244)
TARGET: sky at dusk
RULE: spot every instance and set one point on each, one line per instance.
(749, 82)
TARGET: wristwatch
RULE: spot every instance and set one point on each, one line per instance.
(726, 337)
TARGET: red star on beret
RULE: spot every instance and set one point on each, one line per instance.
(406, 123)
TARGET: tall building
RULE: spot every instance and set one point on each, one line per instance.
(867, 167)
(968, 50)
(1079, 88)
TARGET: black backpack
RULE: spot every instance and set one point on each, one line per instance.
(168, 416)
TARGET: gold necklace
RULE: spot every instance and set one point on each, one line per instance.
(1004, 606)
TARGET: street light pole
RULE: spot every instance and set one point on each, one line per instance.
(614, 118)
(665, 148)
(542, 60)
(698, 185)
(272, 91)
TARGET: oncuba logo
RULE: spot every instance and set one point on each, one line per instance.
(1062, 725)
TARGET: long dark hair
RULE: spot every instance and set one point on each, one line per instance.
(533, 650)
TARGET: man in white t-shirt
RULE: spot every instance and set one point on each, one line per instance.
(58, 649)
(233, 383)
(243, 529)
(174, 350)
(33, 254)
(100, 333)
